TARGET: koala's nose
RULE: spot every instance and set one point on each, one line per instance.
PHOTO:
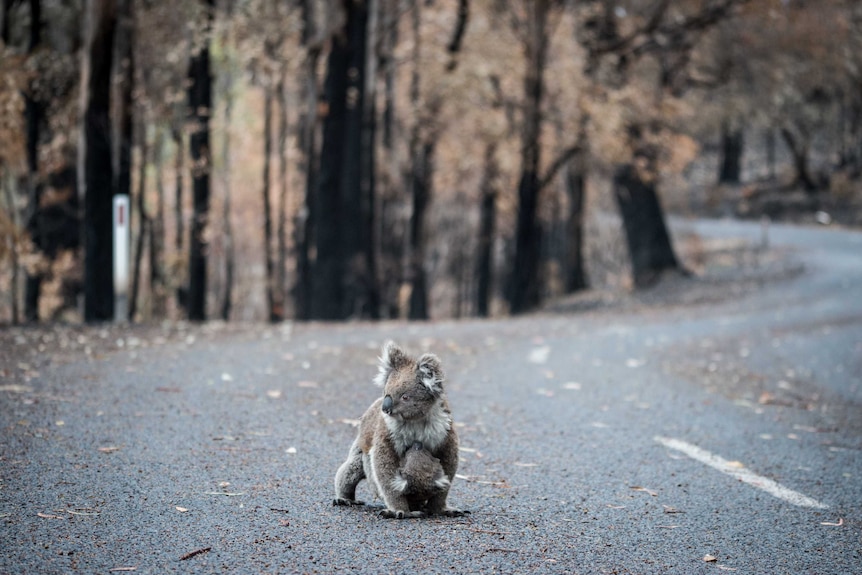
(387, 404)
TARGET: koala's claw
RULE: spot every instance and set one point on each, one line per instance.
(452, 512)
(347, 502)
(398, 514)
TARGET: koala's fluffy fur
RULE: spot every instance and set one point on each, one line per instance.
(413, 409)
(420, 477)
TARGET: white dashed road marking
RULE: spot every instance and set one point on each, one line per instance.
(740, 473)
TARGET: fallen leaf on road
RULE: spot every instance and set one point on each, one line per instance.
(350, 422)
(520, 464)
(225, 493)
(635, 363)
(115, 569)
(274, 393)
(539, 355)
(290, 450)
(669, 509)
(830, 524)
(735, 464)
(710, 558)
(308, 384)
(180, 509)
(83, 512)
(573, 385)
(109, 449)
(47, 516)
(645, 490)
(226, 377)
(16, 388)
(726, 568)
(194, 553)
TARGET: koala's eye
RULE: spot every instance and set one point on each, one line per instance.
(405, 397)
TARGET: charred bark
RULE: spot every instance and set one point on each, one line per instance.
(487, 221)
(575, 184)
(731, 154)
(96, 166)
(525, 273)
(646, 233)
(200, 104)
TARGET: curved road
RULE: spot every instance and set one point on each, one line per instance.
(684, 439)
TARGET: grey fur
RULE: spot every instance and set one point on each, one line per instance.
(416, 411)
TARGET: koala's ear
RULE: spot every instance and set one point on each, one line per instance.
(390, 358)
(431, 373)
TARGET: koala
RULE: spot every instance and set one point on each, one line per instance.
(413, 409)
(420, 477)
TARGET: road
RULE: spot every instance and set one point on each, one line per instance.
(721, 436)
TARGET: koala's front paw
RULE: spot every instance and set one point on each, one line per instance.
(398, 514)
(341, 501)
(452, 512)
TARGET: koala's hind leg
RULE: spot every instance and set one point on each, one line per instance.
(348, 477)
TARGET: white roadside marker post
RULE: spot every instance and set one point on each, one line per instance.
(121, 258)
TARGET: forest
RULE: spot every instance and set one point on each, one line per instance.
(418, 159)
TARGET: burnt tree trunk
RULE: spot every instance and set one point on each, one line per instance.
(95, 155)
(303, 229)
(417, 184)
(179, 221)
(200, 104)
(144, 224)
(357, 179)
(798, 147)
(423, 168)
(646, 233)
(283, 193)
(525, 273)
(343, 283)
(732, 142)
(33, 112)
(274, 314)
(327, 293)
(575, 184)
(487, 221)
(157, 234)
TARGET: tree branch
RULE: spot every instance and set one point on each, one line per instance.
(561, 160)
(458, 34)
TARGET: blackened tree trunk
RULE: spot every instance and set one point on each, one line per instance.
(525, 273)
(143, 223)
(731, 154)
(646, 233)
(487, 221)
(274, 313)
(95, 156)
(33, 112)
(327, 290)
(422, 170)
(575, 183)
(283, 191)
(799, 147)
(200, 104)
(304, 236)
(418, 183)
(157, 234)
(343, 283)
(360, 291)
(179, 221)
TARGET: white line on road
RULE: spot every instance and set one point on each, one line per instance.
(737, 471)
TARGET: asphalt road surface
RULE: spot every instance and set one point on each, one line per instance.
(724, 436)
